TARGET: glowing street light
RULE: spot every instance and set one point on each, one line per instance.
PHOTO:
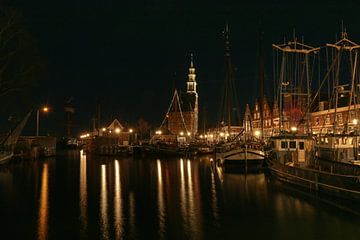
(293, 129)
(130, 130)
(355, 121)
(221, 134)
(188, 133)
(104, 129)
(257, 133)
(117, 130)
(158, 132)
(44, 109)
(181, 133)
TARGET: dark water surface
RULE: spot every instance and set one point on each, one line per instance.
(74, 196)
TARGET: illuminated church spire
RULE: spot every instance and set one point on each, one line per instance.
(191, 83)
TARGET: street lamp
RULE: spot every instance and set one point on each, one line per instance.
(44, 109)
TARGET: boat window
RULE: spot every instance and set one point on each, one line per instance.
(292, 144)
(284, 144)
(301, 145)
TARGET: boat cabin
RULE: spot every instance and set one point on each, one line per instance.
(292, 149)
(340, 147)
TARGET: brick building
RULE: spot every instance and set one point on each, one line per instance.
(182, 118)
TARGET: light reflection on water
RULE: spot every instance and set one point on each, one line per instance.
(104, 225)
(127, 198)
(83, 193)
(44, 204)
(161, 204)
(118, 218)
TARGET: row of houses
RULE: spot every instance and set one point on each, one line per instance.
(323, 119)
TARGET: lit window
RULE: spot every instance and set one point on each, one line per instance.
(327, 119)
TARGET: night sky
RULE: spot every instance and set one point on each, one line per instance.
(130, 55)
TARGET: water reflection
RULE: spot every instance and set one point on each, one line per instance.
(214, 200)
(182, 191)
(83, 192)
(161, 206)
(132, 215)
(44, 204)
(150, 198)
(104, 225)
(118, 211)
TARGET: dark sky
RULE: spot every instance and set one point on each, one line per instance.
(126, 55)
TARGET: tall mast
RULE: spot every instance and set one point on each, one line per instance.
(295, 61)
(229, 103)
(352, 48)
(228, 71)
(261, 81)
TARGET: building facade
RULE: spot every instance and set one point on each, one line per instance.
(183, 116)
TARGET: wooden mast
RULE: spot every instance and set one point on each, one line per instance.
(261, 81)
(229, 103)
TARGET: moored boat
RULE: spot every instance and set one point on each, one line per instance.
(244, 157)
(292, 160)
(168, 149)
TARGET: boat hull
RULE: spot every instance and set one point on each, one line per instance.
(5, 157)
(338, 185)
(241, 158)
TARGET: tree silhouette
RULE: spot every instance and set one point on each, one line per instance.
(20, 61)
(143, 127)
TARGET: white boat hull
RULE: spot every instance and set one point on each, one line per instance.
(5, 156)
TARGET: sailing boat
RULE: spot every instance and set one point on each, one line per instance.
(242, 150)
(292, 157)
(7, 146)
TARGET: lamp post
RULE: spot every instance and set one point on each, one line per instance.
(43, 109)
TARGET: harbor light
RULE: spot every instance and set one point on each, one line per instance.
(221, 134)
(257, 133)
(293, 129)
(103, 129)
(201, 136)
(158, 132)
(355, 121)
(188, 133)
(130, 130)
(117, 130)
(181, 133)
(45, 109)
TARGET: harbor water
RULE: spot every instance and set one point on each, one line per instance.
(74, 196)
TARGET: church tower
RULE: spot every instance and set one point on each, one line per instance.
(191, 90)
(191, 83)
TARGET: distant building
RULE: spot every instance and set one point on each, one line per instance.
(345, 118)
(268, 118)
(182, 118)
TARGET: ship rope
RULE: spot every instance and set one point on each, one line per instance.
(10, 142)
(174, 98)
